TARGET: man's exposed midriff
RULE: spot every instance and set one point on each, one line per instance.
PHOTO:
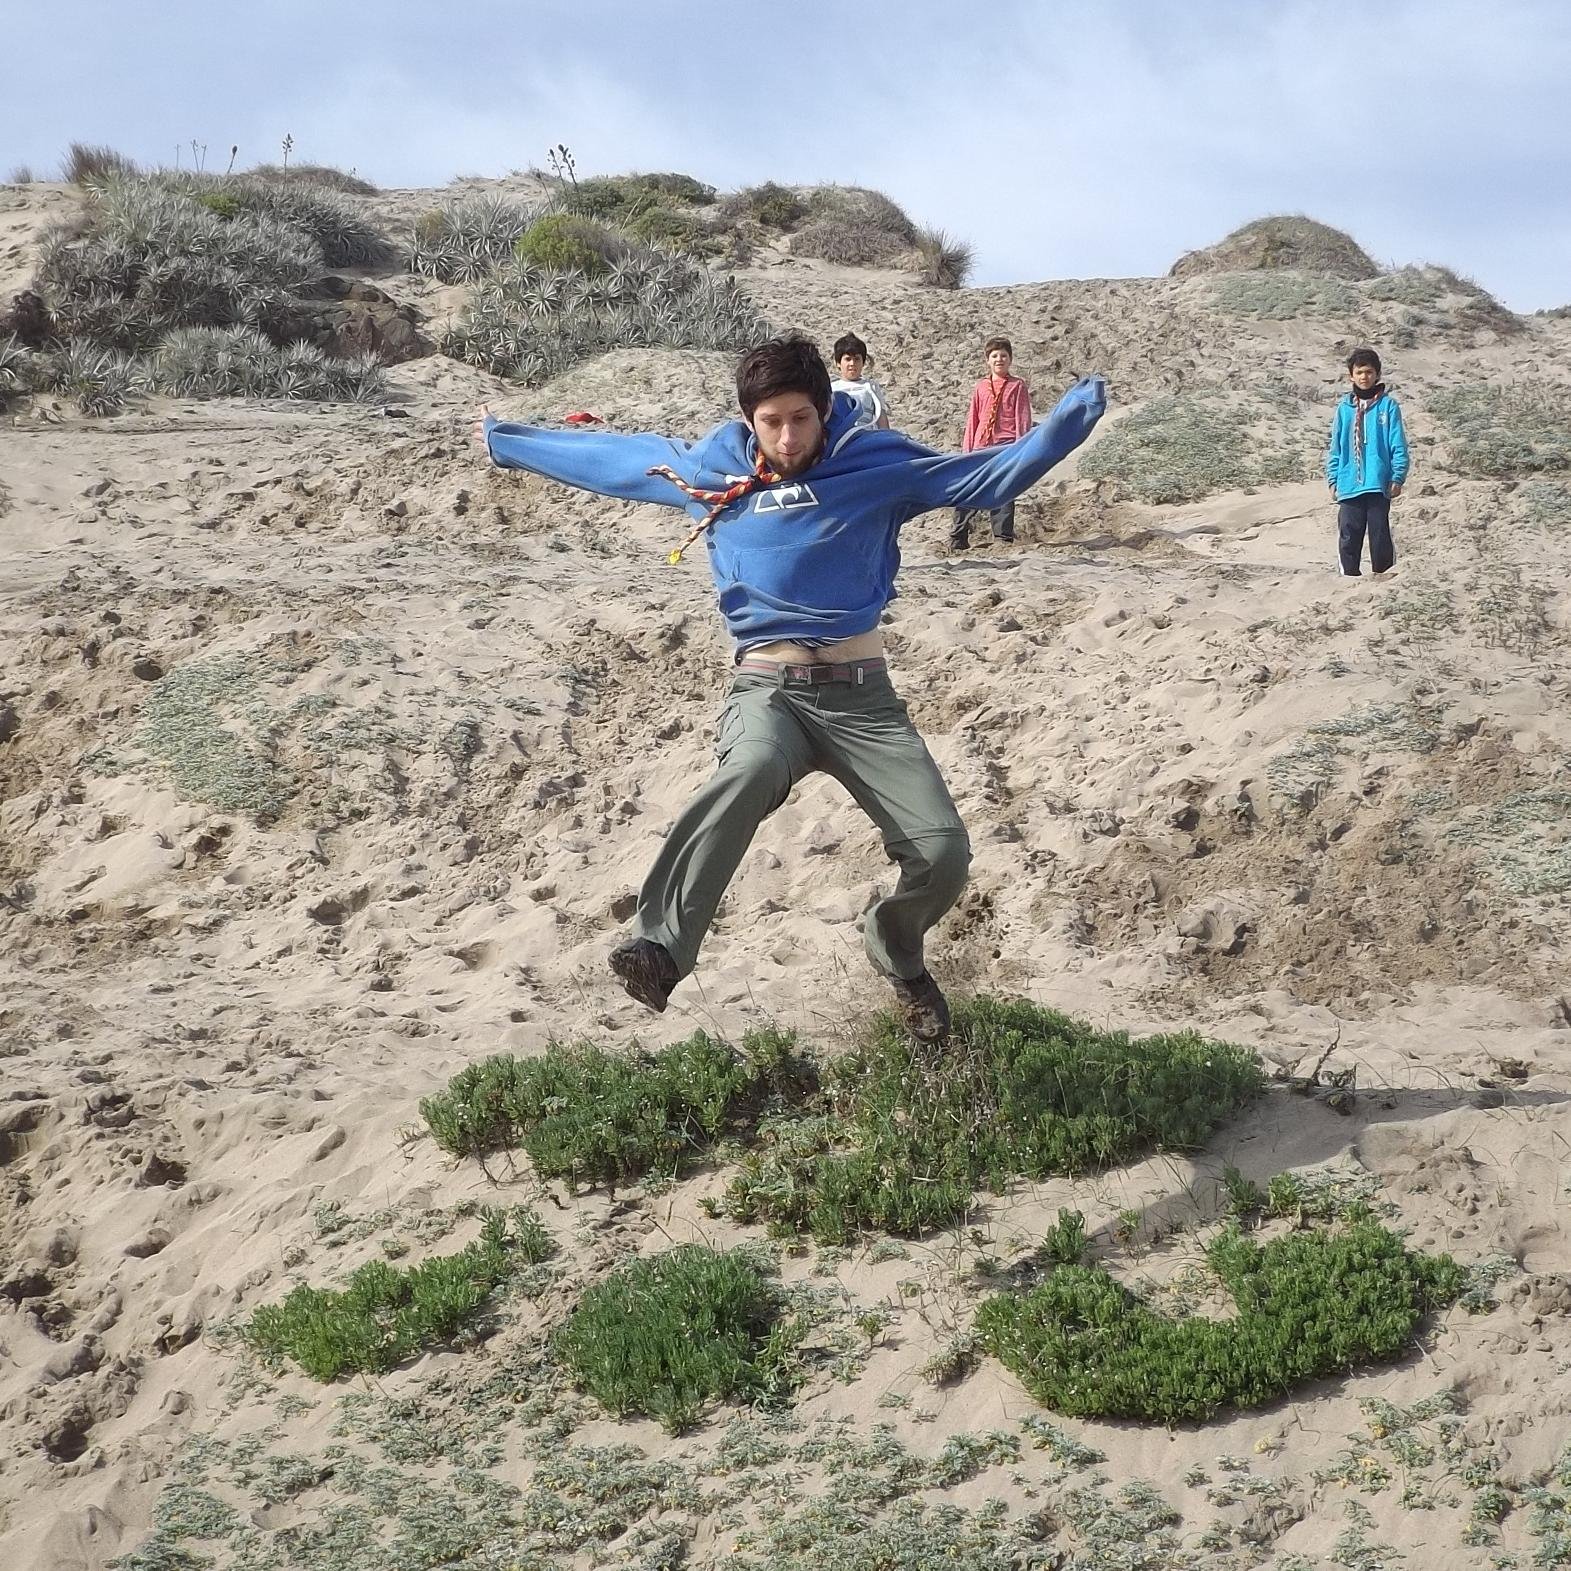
(864, 646)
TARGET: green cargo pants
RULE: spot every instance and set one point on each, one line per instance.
(774, 730)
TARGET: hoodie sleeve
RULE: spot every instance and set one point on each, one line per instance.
(1398, 436)
(608, 463)
(1331, 448)
(992, 476)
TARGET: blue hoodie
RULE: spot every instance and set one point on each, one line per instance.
(812, 558)
(1385, 449)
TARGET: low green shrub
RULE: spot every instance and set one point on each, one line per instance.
(591, 1116)
(772, 205)
(563, 241)
(667, 1335)
(387, 1314)
(1308, 1305)
(1504, 432)
(617, 199)
(1021, 1092)
(324, 175)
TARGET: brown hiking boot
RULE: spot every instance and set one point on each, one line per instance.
(923, 1007)
(647, 971)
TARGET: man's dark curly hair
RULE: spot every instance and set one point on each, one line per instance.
(788, 364)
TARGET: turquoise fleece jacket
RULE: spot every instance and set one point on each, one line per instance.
(815, 557)
(1385, 449)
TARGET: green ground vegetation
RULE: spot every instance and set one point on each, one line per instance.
(386, 1313)
(1283, 296)
(1185, 446)
(667, 1335)
(593, 1116)
(1308, 1305)
(1019, 1092)
(1506, 431)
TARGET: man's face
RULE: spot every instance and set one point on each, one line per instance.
(999, 362)
(851, 367)
(1364, 377)
(789, 431)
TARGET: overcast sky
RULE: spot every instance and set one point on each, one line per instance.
(1088, 141)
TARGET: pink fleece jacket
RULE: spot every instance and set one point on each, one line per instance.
(1014, 412)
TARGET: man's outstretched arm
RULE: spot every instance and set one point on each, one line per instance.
(608, 463)
(992, 476)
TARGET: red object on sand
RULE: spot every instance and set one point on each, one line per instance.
(583, 417)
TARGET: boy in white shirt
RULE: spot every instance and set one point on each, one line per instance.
(851, 359)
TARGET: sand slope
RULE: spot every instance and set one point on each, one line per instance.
(472, 701)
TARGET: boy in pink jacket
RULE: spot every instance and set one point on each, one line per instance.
(1000, 413)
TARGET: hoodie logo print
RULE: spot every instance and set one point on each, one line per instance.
(785, 499)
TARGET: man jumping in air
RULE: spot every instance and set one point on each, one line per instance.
(800, 510)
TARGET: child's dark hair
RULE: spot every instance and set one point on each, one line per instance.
(1363, 357)
(999, 343)
(848, 344)
(788, 364)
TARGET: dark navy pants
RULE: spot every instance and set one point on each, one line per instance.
(1360, 515)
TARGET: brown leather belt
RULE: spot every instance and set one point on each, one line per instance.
(814, 672)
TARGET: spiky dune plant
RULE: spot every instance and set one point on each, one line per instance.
(100, 381)
(152, 260)
(16, 368)
(461, 241)
(239, 362)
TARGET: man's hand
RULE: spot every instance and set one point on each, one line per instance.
(1396, 491)
(477, 430)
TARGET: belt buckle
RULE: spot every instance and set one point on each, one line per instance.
(799, 673)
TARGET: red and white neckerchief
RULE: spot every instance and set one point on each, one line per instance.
(1362, 404)
(762, 475)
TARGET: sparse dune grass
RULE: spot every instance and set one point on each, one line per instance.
(1308, 1305)
(387, 1313)
(1282, 296)
(1506, 431)
(1019, 1092)
(1183, 447)
(1444, 298)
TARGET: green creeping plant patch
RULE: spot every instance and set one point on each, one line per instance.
(587, 1115)
(1018, 1091)
(666, 1335)
(1309, 1305)
(387, 1314)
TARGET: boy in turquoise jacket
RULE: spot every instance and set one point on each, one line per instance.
(1366, 466)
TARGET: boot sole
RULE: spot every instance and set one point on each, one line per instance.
(641, 978)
